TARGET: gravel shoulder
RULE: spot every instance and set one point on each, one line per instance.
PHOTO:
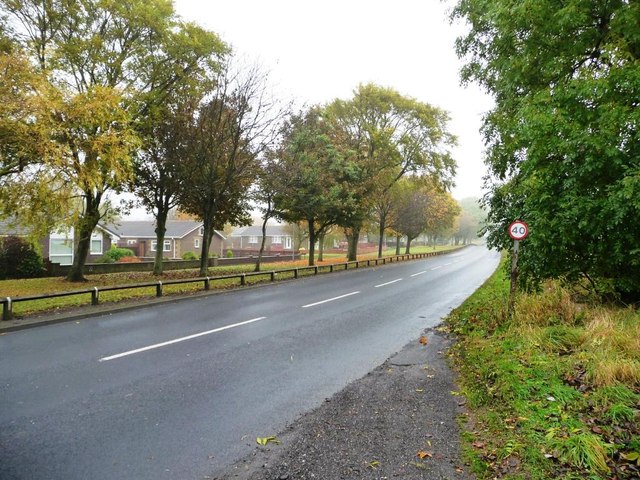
(397, 422)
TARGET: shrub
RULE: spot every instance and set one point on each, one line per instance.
(116, 253)
(18, 259)
(229, 253)
(189, 256)
(105, 259)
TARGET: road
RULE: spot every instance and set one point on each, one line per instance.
(181, 390)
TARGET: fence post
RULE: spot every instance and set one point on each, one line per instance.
(295, 273)
(273, 276)
(315, 269)
(207, 283)
(331, 268)
(346, 266)
(159, 289)
(94, 296)
(7, 310)
(243, 279)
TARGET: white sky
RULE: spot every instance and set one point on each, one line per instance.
(317, 51)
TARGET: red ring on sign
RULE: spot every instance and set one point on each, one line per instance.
(521, 230)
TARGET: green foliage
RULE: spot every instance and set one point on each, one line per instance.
(619, 413)
(190, 256)
(229, 253)
(608, 396)
(95, 91)
(116, 253)
(313, 177)
(18, 259)
(584, 450)
(385, 136)
(563, 137)
(551, 386)
(105, 259)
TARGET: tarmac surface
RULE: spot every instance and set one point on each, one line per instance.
(400, 421)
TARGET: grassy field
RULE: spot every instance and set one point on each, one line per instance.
(553, 392)
(37, 286)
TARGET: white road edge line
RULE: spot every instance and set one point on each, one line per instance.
(329, 300)
(388, 283)
(419, 273)
(439, 266)
(177, 340)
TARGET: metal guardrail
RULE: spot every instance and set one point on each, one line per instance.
(94, 292)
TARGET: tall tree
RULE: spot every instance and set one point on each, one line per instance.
(228, 134)
(389, 135)
(563, 138)
(411, 207)
(472, 218)
(28, 192)
(96, 50)
(265, 194)
(156, 181)
(421, 206)
(311, 176)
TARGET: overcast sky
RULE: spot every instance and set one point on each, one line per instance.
(317, 51)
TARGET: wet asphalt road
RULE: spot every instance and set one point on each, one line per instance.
(176, 391)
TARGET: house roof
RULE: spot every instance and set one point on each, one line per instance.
(146, 228)
(256, 231)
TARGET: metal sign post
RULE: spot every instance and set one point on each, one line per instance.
(517, 231)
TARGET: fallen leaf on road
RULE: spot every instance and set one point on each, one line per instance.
(420, 465)
(419, 390)
(375, 464)
(422, 454)
(265, 440)
(423, 340)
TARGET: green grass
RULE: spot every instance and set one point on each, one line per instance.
(38, 286)
(556, 386)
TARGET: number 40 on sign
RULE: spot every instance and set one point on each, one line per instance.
(518, 230)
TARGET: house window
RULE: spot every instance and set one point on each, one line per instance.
(61, 248)
(277, 240)
(96, 244)
(287, 242)
(201, 231)
(131, 242)
(166, 246)
(196, 243)
(253, 239)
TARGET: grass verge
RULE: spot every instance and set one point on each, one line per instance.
(553, 392)
(37, 286)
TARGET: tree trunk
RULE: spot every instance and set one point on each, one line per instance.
(262, 244)
(321, 247)
(352, 242)
(161, 229)
(398, 238)
(407, 249)
(381, 238)
(206, 242)
(82, 238)
(312, 242)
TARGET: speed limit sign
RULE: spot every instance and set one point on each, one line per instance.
(518, 230)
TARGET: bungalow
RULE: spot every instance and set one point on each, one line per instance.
(279, 238)
(181, 236)
(58, 247)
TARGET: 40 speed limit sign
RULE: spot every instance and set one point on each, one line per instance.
(518, 230)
